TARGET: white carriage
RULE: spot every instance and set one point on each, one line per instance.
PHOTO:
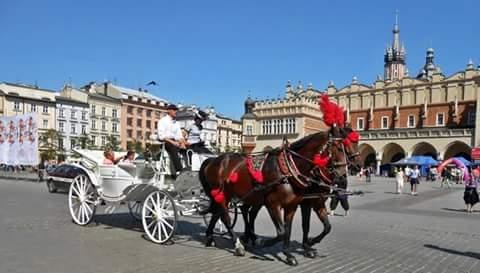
(145, 185)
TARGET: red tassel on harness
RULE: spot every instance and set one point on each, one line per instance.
(353, 136)
(321, 161)
(233, 177)
(347, 142)
(218, 195)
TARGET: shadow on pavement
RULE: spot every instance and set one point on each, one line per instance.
(456, 210)
(456, 252)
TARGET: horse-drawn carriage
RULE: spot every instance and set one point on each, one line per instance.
(153, 196)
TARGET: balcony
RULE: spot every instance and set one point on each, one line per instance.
(416, 133)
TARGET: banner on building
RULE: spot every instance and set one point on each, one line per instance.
(19, 140)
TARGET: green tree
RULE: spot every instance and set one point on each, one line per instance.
(112, 143)
(49, 144)
(85, 141)
(138, 147)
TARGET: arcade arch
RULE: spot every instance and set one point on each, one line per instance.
(367, 155)
(392, 152)
(425, 148)
(457, 148)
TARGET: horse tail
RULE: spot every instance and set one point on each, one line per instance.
(205, 183)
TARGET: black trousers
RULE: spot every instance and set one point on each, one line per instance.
(343, 202)
(173, 151)
(200, 148)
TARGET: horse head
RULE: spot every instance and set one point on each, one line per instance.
(350, 143)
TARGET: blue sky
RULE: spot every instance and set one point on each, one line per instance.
(214, 52)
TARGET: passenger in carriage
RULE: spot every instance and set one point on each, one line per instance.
(128, 158)
(194, 140)
(110, 157)
(170, 132)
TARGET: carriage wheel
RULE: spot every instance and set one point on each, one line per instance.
(82, 200)
(135, 209)
(220, 227)
(159, 216)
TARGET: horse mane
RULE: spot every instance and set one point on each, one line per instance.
(297, 145)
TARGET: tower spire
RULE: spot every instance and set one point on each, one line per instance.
(395, 55)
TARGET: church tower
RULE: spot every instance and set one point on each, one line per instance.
(395, 56)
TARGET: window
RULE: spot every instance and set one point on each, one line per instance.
(249, 130)
(61, 112)
(147, 135)
(440, 119)
(45, 124)
(84, 129)
(114, 127)
(74, 129)
(411, 121)
(139, 111)
(94, 140)
(129, 109)
(94, 124)
(61, 126)
(104, 126)
(149, 113)
(471, 118)
(264, 127)
(129, 133)
(33, 108)
(129, 121)
(104, 111)
(60, 143)
(104, 140)
(114, 113)
(149, 124)
(275, 127)
(139, 134)
(45, 108)
(139, 123)
(74, 114)
(360, 124)
(84, 115)
(72, 143)
(93, 110)
(291, 126)
(16, 106)
(384, 122)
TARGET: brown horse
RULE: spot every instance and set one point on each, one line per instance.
(279, 191)
(315, 198)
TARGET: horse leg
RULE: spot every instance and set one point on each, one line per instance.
(216, 213)
(289, 213)
(276, 216)
(246, 234)
(306, 209)
(237, 244)
(251, 222)
(323, 216)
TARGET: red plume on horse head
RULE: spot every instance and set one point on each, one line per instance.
(332, 113)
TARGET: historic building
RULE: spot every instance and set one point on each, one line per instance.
(266, 122)
(139, 115)
(22, 99)
(105, 113)
(73, 114)
(229, 134)
(185, 118)
(401, 115)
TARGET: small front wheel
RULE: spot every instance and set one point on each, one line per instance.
(82, 200)
(159, 216)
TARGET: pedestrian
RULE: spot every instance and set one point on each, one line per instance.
(408, 172)
(446, 176)
(336, 198)
(400, 180)
(470, 196)
(368, 175)
(414, 180)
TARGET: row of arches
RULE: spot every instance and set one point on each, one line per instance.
(393, 152)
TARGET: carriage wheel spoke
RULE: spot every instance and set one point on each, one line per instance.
(88, 208)
(150, 209)
(154, 230)
(75, 190)
(163, 202)
(165, 222)
(149, 225)
(164, 230)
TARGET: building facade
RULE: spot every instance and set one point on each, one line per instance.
(229, 134)
(140, 113)
(22, 99)
(266, 122)
(73, 114)
(402, 115)
(105, 113)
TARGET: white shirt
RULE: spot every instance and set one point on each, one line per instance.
(169, 128)
(194, 134)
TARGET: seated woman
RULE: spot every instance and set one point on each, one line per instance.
(194, 140)
(110, 158)
(128, 158)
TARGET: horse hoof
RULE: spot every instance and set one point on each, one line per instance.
(210, 242)
(239, 252)
(292, 261)
(310, 253)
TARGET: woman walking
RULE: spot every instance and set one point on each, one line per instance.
(470, 196)
(414, 180)
(400, 180)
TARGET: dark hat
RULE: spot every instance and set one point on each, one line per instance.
(172, 107)
(201, 115)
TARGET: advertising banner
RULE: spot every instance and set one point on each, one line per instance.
(19, 140)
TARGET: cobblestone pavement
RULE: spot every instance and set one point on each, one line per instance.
(384, 232)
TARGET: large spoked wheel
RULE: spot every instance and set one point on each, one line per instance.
(159, 216)
(82, 200)
(135, 209)
(220, 227)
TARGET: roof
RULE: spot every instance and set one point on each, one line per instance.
(103, 97)
(137, 93)
(28, 92)
(62, 98)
